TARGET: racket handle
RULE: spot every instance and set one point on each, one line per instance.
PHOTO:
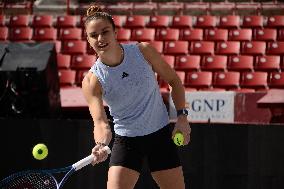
(87, 160)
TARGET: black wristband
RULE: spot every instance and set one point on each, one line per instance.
(183, 111)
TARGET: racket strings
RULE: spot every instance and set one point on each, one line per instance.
(32, 181)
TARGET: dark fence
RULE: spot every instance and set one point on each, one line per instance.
(235, 156)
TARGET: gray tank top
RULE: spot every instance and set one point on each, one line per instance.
(132, 94)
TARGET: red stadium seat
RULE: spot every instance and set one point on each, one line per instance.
(275, 21)
(254, 80)
(19, 20)
(191, 34)
(188, 62)
(199, 80)
(2, 20)
(176, 47)
(214, 63)
(63, 61)
(167, 35)
(202, 47)
(265, 34)
(74, 47)
(182, 21)
(216, 34)
(253, 48)
(22, 34)
(267, 63)
(252, 21)
(45, 34)
(3, 33)
(66, 21)
(123, 34)
(275, 48)
(240, 63)
(42, 21)
(205, 21)
(240, 35)
(229, 21)
(228, 48)
(119, 20)
(70, 33)
(169, 59)
(136, 21)
(83, 61)
(276, 80)
(67, 77)
(226, 80)
(158, 21)
(143, 34)
(158, 45)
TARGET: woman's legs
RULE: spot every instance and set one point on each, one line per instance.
(170, 178)
(164, 161)
(121, 178)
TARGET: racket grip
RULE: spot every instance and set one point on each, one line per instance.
(87, 160)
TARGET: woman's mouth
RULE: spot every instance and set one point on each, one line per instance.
(102, 45)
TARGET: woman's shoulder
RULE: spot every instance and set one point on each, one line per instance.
(91, 81)
(147, 50)
(140, 45)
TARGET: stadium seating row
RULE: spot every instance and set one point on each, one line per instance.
(202, 80)
(190, 62)
(169, 47)
(178, 21)
(146, 34)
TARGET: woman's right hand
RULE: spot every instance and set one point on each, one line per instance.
(100, 154)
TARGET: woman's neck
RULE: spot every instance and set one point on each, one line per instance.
(113, 57)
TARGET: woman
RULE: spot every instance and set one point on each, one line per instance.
(123, 76)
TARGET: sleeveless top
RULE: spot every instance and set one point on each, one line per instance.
(132, 94)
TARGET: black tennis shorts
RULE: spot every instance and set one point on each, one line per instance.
(158, 149)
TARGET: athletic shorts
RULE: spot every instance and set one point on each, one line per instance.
(158, 149)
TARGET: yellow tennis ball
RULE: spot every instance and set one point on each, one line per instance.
(40, 151)
(179, 139)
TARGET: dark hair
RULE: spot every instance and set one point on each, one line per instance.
(95, 12)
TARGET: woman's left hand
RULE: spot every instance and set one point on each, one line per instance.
(182, 125)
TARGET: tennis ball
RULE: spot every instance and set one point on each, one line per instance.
(178, 139)
(40, 151)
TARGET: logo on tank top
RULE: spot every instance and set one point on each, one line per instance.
(124, 74)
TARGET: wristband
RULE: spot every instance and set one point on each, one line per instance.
(182, 112)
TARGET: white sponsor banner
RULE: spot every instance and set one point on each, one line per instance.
(208, 106)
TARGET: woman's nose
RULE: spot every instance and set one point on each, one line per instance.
(100, 37)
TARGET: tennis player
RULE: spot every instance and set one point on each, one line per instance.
(124, 77)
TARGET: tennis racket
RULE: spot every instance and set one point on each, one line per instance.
(44, 179)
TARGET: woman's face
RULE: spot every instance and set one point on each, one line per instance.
(101, 35)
